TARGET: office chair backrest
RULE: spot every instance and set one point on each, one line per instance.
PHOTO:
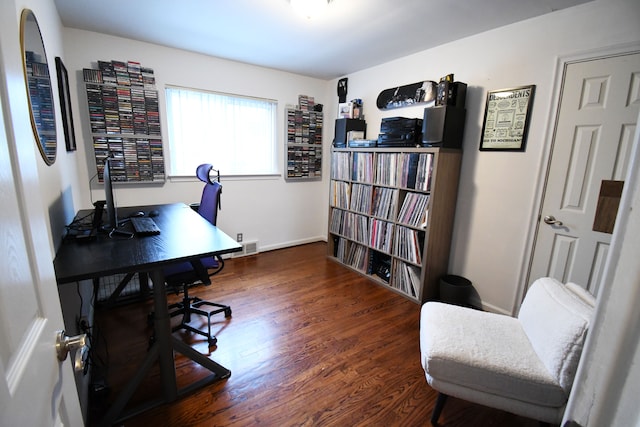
(210, 201)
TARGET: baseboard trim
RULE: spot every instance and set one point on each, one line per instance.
(292, 243)
(493, 309)
(285, 245)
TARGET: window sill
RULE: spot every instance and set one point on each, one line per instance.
(190, 178)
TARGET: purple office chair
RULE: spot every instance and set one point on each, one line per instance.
(182, 276)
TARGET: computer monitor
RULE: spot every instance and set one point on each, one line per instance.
(112, 214)
(112, 224)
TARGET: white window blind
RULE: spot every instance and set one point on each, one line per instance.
(236, 134)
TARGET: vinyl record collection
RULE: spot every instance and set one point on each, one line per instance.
(380, 202)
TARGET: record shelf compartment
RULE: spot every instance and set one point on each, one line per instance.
(391, 213)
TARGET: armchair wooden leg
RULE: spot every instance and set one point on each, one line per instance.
(442, 399)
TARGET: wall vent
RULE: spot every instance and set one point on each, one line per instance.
(248, 248)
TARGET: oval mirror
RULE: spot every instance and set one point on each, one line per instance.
(38, 83)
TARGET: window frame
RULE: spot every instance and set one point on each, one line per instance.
(180, 175)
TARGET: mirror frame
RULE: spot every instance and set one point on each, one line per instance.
(44, 128)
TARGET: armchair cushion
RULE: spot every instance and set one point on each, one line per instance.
(555, 318)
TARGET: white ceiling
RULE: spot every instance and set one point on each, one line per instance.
(351, 35)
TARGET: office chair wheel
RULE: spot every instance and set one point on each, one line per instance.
(212, 341)
(227, 312)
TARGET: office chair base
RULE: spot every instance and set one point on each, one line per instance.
(191, 305)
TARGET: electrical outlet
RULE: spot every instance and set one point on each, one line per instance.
(239, 237)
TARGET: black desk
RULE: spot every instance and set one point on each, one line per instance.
(185, 235)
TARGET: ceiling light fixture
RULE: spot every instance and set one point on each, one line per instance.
(309, 8)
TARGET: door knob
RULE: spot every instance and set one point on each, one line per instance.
(551, 220)
(77, 344)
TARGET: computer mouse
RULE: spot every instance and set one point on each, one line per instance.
(137, 214)
(153, 213)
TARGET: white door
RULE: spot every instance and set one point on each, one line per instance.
(35, 388)
(593, 138)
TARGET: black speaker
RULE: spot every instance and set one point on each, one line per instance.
(342, 90)
(344, 126)
(443, 126)
(451, 93)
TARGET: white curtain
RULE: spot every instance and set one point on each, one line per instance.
(235, 134)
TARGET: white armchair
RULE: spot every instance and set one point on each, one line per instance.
(522, 365)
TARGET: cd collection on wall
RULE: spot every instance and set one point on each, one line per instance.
(125, 120)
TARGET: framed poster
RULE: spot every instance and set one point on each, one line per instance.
(65, 105)
(506, 119)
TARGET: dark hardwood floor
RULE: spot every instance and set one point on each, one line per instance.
(310, 343)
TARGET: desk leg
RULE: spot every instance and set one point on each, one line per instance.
(167, 343)
(163, 337)
(163, 351)
(200, 358)
(123, 398)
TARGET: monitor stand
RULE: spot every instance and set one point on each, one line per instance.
(97, 222)
(116, 232)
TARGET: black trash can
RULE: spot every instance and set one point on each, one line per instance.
(456, 290)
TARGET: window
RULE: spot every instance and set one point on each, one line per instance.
(236, 134)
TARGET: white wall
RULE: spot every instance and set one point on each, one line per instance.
(55, 180)
(270, 210)
(499, 192)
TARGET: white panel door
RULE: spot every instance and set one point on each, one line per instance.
(36, 389)
(594, 131)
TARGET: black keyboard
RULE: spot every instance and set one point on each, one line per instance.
(144, 226)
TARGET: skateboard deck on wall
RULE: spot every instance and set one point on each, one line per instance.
(408, 95)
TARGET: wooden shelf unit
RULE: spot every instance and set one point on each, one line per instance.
(367, 236)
